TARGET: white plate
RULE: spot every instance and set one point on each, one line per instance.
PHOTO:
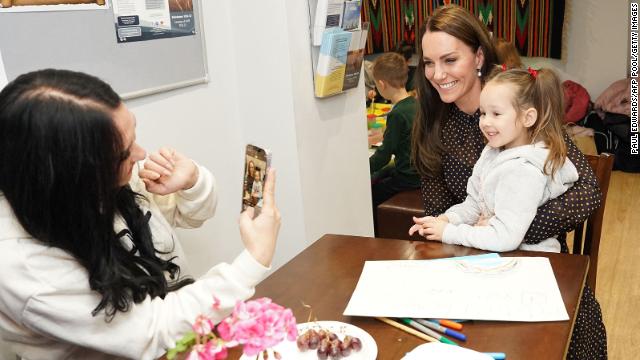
(289, 349)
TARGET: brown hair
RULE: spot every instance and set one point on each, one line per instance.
(391, 68)
(426, 146)
(541, 90)
(507, 54)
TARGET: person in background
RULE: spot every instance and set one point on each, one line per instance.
(390, 73)
(256, 187)
(456, 55)
(92, 263)
(248, 178)
(407, 52)
(523, 166)
(507, 54)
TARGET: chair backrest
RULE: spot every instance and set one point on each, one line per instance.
(586, 240)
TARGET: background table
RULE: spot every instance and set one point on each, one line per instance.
(325, 275)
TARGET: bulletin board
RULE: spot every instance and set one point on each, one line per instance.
(86, 41)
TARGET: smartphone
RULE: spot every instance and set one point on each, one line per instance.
(256, 162)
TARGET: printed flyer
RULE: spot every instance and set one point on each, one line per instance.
(142, 20)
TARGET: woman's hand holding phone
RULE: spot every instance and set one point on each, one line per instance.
(259, 233)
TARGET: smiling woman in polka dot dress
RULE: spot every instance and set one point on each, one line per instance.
(457, 53)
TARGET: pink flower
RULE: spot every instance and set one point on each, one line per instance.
(208, 351)
(203, 325)
(216, 303)
(258, 325)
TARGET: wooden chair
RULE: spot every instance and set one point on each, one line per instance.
(586, 239)
(395, 215)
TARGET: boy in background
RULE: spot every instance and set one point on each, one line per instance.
(390, 71)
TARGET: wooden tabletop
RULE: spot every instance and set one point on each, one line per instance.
(325, 275)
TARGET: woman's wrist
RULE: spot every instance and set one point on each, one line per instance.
(193, 178)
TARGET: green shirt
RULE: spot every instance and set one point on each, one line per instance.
(397, 141)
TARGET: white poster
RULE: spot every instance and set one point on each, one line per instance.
(3, 73)
(506, 289)
(142, 20)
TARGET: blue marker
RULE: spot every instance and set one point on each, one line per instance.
(454, 334)
(497, 355)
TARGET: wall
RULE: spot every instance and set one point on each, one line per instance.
(261, 91)
(595, 44)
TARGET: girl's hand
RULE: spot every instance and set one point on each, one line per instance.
(259, 234)
(429, 227)
(419, 224)
(167, 171)
(433, 229)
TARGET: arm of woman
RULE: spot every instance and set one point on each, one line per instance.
(148, 329)
(436, 196)
(184, 192)
(61, 303)
(565, 212)
(469, 211)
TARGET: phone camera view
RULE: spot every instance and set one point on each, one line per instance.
(256, 164)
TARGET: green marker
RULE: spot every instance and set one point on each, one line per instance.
(427, 331)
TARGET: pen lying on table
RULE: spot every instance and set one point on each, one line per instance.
(407, 329)
(454, 334)
(427, 331)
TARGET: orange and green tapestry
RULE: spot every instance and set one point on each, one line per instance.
(534, 26)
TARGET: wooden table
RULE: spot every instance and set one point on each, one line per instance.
(325, 275)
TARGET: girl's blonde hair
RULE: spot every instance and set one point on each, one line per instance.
(541, 90)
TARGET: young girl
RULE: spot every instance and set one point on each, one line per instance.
(523, 166)
(256, 188)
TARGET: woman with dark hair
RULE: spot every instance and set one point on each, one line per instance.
(456, 55)
(90, 261)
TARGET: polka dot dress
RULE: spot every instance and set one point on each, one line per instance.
(463, 143)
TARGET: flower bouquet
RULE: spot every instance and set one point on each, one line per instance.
(256, 325)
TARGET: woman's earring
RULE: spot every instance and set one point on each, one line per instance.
(479, 73)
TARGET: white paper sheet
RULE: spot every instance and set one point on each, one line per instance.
(3, 73)
(508, 289)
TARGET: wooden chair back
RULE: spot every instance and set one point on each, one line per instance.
(586, 239)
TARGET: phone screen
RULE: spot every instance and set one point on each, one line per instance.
(257, 161)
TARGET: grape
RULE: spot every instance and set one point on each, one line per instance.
(314, 339)
(334, 350)
(356, 344)
(303, 341)
(345, 347)
(323, 349)
(327, 344)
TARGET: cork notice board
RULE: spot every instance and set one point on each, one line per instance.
(86, 41)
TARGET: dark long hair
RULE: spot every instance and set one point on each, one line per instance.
(60, 154)
(426, 146)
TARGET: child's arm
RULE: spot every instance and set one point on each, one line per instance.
(565, 212)
(390, 141)
(468, 212)
(517, 196)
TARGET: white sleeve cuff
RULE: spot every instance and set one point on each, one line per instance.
(454, 218)
(205, 180)
(449, 234)
(249, 271)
